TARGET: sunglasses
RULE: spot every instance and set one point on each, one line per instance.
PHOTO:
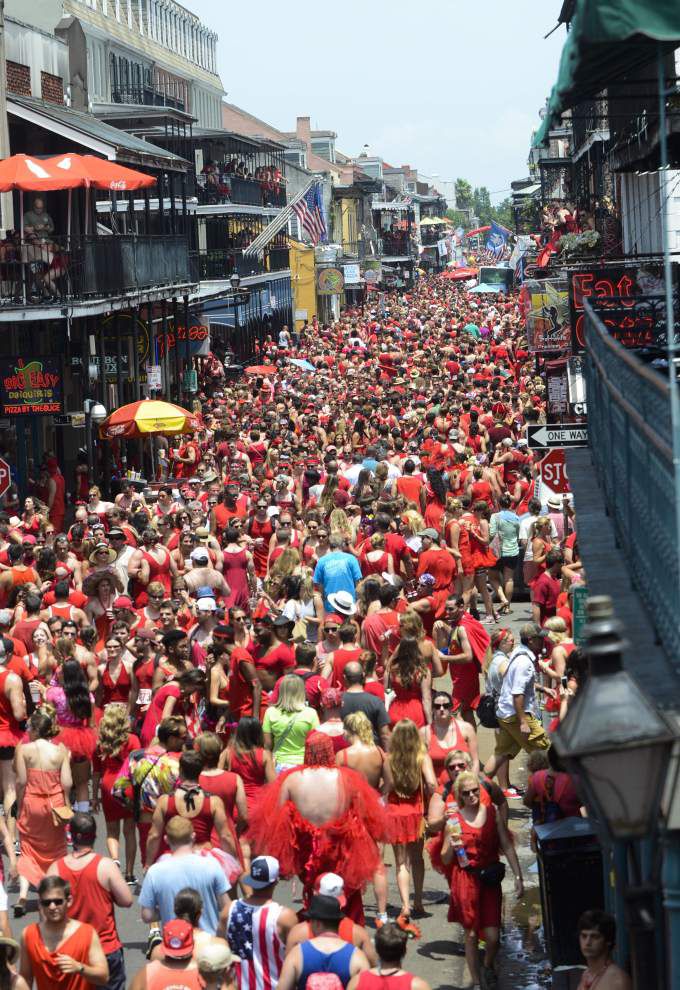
(47, 901)
(470, 793)
(456, 766)
(441, 704)
(332, 628)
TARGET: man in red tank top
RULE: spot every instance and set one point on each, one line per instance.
(390, 947)
(96, 886)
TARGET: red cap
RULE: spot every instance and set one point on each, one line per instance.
(123, 602)
(178, 939)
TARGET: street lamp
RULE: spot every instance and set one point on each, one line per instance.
(95, 413)
(612, 739)
(235, 280)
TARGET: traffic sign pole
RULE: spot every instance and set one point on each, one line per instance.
(562, 435)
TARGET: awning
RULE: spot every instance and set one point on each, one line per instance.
(86, 130)
(607, 39)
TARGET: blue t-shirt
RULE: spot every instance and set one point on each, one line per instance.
(166, 878)
(337, 571)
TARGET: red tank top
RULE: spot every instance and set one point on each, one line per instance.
(91, 903)
(202, 822)
(10, 730)
(46, 973)
(376, 981)
(160, 977)
(118, 691)
(438, 753)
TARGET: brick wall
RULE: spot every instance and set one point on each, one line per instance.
(18, 79)
(51, 88)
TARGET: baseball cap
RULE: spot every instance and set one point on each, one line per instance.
(200, 553)
(123, 602)
(331, 885)
(206, 605)
(432, 534)
(264, 871)
(178, 939)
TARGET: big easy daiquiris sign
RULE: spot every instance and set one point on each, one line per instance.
(628, 299)
(32, 387)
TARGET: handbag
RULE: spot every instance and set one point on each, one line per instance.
(486, 711)
(491, 876)
(61, 815)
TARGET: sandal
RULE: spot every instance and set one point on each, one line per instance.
(20, 909)
(404, 922)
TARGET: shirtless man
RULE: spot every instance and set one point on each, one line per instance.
(204, 575)
(336, 816)
(597, 935)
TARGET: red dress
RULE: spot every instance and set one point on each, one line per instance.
(408, 703)
(250, 768)
(438, 753)
(482, 555)
(223, 785)
(115, 691)
(109, 768)
(235, 572)
(473, 904)
(260, 531)
(369, 567)
(157, 572)
(11, 732)
(405, 817)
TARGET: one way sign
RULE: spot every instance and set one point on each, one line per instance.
(565, 435)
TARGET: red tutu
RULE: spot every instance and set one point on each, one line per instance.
(346, 845)
(80, 741)
(405, 822)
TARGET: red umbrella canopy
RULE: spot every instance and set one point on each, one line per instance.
(101, 173)
(33, 174)
(68, 171)
(261, 369)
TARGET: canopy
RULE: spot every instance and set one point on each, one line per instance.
(261, 369)
(486, 287)
(434, 221)
(30, 174)
(477, 230)
(607, 39)
(302, 365)
(148, 416)
(460, 274)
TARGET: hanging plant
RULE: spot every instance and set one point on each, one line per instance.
(587, 242)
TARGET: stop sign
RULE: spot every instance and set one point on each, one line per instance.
(5, 476)
(554, 472)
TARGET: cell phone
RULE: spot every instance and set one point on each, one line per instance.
(563, 682)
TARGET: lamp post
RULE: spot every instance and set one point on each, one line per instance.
(95, 413)
(239, 298)
(613, 740)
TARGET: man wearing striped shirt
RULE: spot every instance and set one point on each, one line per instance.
(257, 928)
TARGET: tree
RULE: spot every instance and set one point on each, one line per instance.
(481, 200)
(458, 218)
(464, 194)
(504, 214)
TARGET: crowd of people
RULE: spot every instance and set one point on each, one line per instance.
(274, 666)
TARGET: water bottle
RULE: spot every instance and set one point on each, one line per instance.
(453, 827)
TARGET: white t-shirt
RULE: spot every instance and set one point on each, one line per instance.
(525, 524)
(519, 678)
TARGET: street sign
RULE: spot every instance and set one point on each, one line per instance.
(69, 419)
(554, 472)
(154, 377)
(564, 435)
(578, 611)
(5, 476)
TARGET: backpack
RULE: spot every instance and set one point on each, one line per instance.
(323, 981)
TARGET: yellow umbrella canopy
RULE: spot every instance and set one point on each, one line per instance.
(148, 417)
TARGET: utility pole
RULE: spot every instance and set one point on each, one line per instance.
(6, 203)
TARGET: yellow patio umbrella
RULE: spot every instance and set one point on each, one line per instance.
(148, 417)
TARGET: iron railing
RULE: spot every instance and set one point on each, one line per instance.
(363, 248)
(217, 263)
(396, 245)
(220, 188)
(40, 272)
(630, 436)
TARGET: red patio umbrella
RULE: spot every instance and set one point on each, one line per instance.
(31, 174)
(261, 369)
(100, 173)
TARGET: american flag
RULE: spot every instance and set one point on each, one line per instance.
(309, 211)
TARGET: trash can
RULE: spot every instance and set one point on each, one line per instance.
(570, 874)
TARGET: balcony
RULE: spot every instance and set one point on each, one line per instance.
(222, 188)
(363, 248)
(67, 269)
(631, 443)
(396, 245)
(220, 263)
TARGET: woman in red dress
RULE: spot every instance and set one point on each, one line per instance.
(115, 675)
(374, 559)
(408, 782)
(254, 765)
(457, 537)
(224, 784)
(473, 838)
(483, 557)
(176, 697)
(447, 733)
(114, 745)
(409, 676)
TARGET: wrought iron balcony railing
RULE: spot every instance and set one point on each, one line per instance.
(630, 436)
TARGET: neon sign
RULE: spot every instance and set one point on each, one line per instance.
(621, 298)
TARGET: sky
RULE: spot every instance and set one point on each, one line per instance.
(452, 87)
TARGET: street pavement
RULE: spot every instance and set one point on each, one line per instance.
(438, 956)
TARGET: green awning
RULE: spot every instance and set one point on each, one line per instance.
(607, 39)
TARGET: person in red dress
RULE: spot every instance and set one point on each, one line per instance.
(446, 734)
(408, 782)
(408, 675)
(224, 784)
(115, 675)
(473, 838)
(115, 742)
